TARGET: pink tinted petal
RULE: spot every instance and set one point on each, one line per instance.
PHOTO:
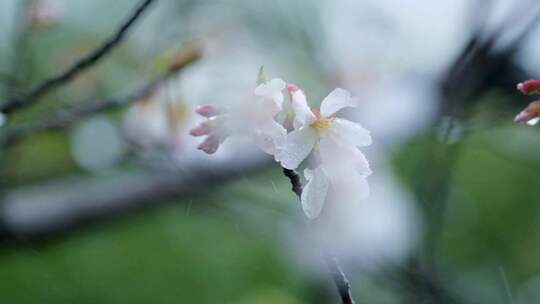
(210, 144)
(303, 114)
(335, 101)
(209, 110)
(200, 130)
(523, 117)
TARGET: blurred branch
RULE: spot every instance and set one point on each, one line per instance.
(34, 212)
(338, 276)
(21, 33)
(64, 118)
(26, 99)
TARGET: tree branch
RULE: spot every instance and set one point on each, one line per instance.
(338, 276)
(59, 206)
(26, 99)
(65, 118)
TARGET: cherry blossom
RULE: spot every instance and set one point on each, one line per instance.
(217, 127)
(255, 119)
(334, 143)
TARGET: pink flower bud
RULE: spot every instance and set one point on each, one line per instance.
(530, 114)
(209, 110)
(210, 144)
(200, 130)
(530, 86)
(292, 88)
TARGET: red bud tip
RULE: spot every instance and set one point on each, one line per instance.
(292, 88)
(530, 86)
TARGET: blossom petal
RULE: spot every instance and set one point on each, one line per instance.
(356, 186)
(350, 132)
(272, 91)
(314, 193)
(201, 129)
(303, 114)
(211, 143)
(335, 101)
(339, 159)
(269, 137)
(297, 146)
(209, 110)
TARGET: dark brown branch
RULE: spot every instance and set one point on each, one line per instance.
(82, 64)
(338, 276)
(342, 284)
(295, 181)
(65, 118)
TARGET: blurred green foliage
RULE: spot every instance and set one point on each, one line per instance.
(192, 250)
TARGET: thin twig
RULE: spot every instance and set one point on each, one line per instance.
(506, 285)
(82, 64)
(338, 276)
(64, 118)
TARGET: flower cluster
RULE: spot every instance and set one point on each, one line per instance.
(531, 114)
(325, 145)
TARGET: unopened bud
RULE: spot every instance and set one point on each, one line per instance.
(530, 86)
(209, 110)
(292, 88)
(200, 130)
(210, 144)
(530, 115)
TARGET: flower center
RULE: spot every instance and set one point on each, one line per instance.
(322, 124)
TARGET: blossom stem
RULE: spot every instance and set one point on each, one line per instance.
(338, 276)
(295, 181)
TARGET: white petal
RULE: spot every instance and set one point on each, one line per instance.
(297, 146)
(303, 114)
(277, 85)
(354, 187)
(339, 159)
(314, 193)
(350, 132)
(269, 137)
(272, 91)
(335, 101)
(533, 121)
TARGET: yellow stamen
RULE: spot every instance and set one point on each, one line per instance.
(322, 124)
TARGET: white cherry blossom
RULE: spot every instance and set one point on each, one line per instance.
(254, 118)
(333, 141)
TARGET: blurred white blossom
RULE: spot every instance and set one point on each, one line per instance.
(255, 118)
